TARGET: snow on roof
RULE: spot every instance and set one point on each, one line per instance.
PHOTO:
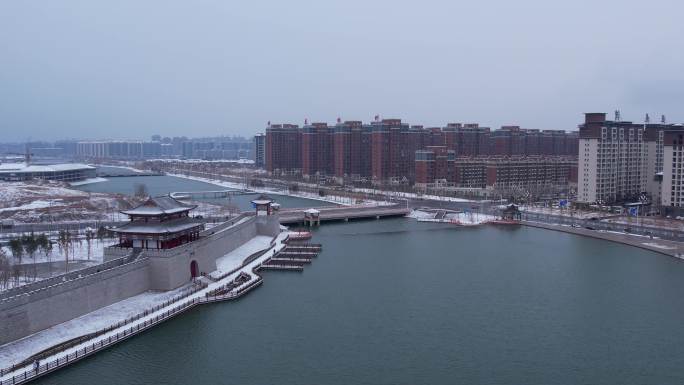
(23, 167)
(312, 211)
(167, 227)
(261, 201)
(159, 206)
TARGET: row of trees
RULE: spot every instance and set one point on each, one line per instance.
(34, 245)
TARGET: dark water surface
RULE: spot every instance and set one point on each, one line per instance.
(162, 185)
(400, 302)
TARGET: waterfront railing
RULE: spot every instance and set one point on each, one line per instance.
(32, 372)
(197, 287)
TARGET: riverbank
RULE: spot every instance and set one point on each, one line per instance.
(669, 248)
(339, 200)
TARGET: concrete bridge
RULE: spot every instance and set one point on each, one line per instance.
(295, 216)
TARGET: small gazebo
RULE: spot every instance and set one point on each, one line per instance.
(511, 213)
(263, 205)
(312, 217)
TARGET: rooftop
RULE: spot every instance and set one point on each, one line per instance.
(168, 227)
(156, 206)
(24, 168)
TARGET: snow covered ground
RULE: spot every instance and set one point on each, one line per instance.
(41, 201)
(78, 251)
(43, 266)
(346, 201)
(88, 181)
(451, 217)
(404, 195)
(36, 204)
(579, 214)
(658, 246)
(235, 258)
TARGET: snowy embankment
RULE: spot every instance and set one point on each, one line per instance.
(341, 200)
(579, 214)
(88, 181)
(42, 201)
(19, 350)
(235, 258)
(466, 219)
(407, 195)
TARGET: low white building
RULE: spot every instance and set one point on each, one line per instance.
(65, 172)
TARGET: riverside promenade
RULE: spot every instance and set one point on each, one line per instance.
(662, 246)
(240, 280)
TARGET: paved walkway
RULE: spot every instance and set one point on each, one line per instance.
(184, 303)
(671, 248)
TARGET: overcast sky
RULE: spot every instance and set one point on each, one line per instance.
(130, 69)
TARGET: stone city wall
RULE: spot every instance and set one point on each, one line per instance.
(34, 307)
(26, 314)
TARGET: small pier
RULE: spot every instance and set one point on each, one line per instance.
(292, 257)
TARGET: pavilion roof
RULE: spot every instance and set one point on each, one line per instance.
(157, 206)
(163, 228)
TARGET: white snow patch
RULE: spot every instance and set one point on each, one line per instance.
(235, 258)
(16, 351)
(658, 246)
(37, 204)
(88, 181)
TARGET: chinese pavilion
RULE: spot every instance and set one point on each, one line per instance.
(158, 223)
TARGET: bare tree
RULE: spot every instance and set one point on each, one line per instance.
(5, 269)
(17, 248)
(140, 191)
(31, 246)
(90, 234)
(46, 247)
(64, 240)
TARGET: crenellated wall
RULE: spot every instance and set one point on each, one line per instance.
(32, 308)
(25, 314)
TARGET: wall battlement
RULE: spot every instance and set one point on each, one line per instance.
(34, 307)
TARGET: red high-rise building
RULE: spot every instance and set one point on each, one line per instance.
(385, 150)
(283, 148)
(391, 151)
(352, 150)
(317, 150)
(434, 163)
(467, 139)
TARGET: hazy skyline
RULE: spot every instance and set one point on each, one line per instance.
(128, 69)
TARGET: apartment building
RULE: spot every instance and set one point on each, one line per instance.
(118, 149)
(435, 165)
(317, 150)
(283, 148)
(672, 189)
(384, 151)
(621, 161)
(494, 172)
(259, 150)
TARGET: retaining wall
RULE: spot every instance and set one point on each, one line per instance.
(27, 314)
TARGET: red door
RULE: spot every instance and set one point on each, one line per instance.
(194, 269)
